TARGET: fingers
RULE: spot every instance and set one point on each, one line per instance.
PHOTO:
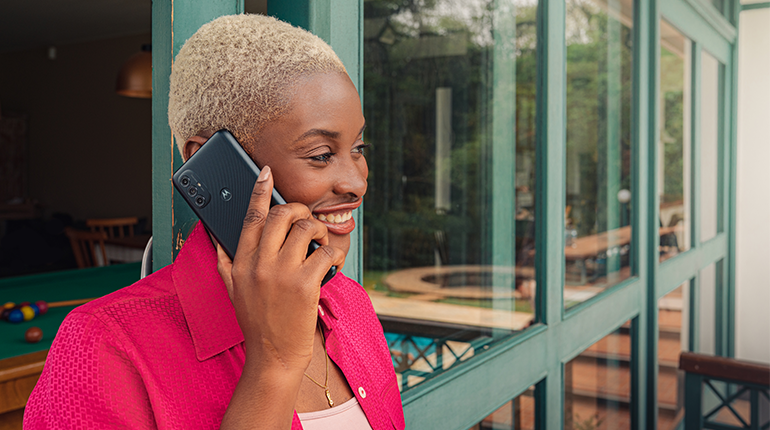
(302, 232)
(322, 259)
(225, 269)
(280, 222)
(256, 215)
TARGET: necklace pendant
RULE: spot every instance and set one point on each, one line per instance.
(329, 398)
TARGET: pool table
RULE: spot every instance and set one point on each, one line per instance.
(20, 362)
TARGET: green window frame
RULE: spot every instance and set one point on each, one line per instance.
(537, 355)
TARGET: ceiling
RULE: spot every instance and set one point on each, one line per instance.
(42, 23)
(26, 24)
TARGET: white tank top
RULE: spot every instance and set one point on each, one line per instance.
(347, 416)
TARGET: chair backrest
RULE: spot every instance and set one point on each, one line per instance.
(147, 260)
(88, 247)
(114, 227)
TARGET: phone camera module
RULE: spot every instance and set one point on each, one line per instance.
(185, 181)
(200, 200)
(192, 191)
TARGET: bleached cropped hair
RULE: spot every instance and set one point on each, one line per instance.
(238, 72)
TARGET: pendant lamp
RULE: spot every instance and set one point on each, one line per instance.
(135, 77)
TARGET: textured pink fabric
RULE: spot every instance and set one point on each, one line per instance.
(167, 353)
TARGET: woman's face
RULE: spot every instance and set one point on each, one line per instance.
(315, 151)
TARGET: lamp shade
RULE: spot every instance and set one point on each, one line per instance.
(135, 77)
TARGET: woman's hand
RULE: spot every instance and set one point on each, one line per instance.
(275, 291)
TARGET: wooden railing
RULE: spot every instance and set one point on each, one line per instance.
(739, 389)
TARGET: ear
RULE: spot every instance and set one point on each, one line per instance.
(192, 145)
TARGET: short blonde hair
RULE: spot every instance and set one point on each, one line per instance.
(238, 72)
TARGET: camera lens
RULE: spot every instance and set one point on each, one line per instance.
(185, 181)
(200, 201)
(192, 191)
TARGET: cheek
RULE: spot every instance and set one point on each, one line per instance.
(300, 188)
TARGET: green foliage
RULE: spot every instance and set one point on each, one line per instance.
(399, 104)
(598, 74)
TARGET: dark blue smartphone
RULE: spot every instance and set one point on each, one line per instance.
(217, 182)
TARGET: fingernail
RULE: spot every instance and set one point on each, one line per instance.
(264, 174)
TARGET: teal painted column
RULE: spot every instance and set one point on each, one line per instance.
(695, 152)
(644, 188)
(173, 22)
(341, 24)
(503, 198)
(648, 208)
(731, 152)
(550, 191)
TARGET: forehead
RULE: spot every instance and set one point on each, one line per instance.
(327, 102)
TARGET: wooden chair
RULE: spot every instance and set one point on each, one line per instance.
(114, 227)
(88, 246)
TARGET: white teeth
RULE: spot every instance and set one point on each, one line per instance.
(335, 219)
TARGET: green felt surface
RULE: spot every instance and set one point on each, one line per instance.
(54, 287)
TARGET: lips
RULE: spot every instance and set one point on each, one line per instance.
(338, 218)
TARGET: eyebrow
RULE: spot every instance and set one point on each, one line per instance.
(322, 132)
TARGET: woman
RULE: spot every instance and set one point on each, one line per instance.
(253, 342)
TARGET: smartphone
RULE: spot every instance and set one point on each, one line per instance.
(217, 182)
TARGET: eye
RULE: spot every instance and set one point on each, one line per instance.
(323, 158)
(361, 149)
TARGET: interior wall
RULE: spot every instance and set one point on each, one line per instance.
(89, 149)
(752, 293)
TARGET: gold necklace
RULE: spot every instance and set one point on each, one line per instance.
(325, 385)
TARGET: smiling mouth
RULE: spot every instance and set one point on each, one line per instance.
(333, 218)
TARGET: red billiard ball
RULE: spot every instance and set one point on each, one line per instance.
(33, 335)
(43, 306)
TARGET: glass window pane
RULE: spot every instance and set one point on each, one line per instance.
(449, 222)
(673, 331)
(707, 291)
(674, 151)
(598, 178)
(709, 146)
(597, 385)
(518, 414)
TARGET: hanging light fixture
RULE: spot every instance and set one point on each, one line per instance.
(135, 77)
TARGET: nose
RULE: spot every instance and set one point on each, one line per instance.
(351, 177)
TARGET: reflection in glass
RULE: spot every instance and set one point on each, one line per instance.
(598, 188)
(709, 146)
(517, 414)
(449, 222)
(674, 150)
(673, 338)
(597, 384)
(707, 294)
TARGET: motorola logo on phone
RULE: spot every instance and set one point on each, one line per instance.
(226, 194)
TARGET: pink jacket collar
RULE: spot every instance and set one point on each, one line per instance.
(206, 305)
